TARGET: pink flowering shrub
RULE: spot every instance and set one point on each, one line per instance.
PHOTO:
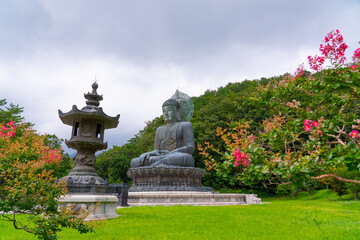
(311, 133)
(299, 71)
(8, 130)
(26, 141)
(313, 127)
(356, 56)
(28, 184)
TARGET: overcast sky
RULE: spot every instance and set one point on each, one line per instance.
(140, 52)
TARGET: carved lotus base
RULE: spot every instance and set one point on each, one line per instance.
(146, 179)
(84, 175)
(85, 179)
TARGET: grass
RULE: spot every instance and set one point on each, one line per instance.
(299, 218)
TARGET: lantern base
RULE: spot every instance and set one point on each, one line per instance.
(99, 206)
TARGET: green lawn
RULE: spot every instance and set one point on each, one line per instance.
(319, 218)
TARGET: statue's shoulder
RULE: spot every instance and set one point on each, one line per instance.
(185, 124)
(160, 128)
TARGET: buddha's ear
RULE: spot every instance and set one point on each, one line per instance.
(178, 114)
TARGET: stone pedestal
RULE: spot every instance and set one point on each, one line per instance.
(177, 186)
(100, 206)
(190, 198)
(146, 179)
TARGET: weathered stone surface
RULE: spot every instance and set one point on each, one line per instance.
(174, 142)
(90, 189)
(190, 198)
(100, 206)
(166, 179)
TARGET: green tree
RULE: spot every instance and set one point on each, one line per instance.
(114, 163)
(335, 185)
(10, 113)
(28, 186)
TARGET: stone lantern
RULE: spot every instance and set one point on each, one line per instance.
(85, 187)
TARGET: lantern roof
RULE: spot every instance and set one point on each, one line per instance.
(90, 111)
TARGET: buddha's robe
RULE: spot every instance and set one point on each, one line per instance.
(173, 146)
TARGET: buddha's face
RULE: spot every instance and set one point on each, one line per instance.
(170, 114)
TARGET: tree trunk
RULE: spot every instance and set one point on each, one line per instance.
(337, 177)
(356, 193)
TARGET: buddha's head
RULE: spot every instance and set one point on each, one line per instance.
(170, 110)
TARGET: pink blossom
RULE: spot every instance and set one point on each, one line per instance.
(316, 62)
(353, 67)
(314, 124)
(10, 123)
(241, 158)
(307, 126)
(307, 122)
(11, 134)
(354, 134)
(332, 49)
(299, 71)
(356, 56)
(53, 156)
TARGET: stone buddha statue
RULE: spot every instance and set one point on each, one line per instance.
(174, 142)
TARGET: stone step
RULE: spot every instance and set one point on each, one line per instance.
(190, 198)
